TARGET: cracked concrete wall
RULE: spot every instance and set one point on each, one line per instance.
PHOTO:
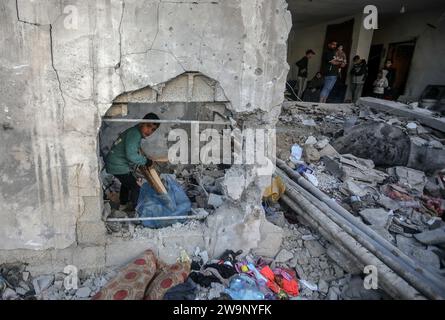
(57, 82)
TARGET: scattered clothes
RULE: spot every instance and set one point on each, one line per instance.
(146, 278)
(244, 288)
(226, 271)
(184, 291)
(230, 255)
(203, 280)
(281, 280)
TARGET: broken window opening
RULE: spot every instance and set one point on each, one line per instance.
(202, 183)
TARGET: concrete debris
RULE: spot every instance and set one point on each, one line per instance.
(410, 178)
(83, 293)
(355, 290)
(375, 217)
(283, 256)
(310, 153)
(315, 248)
(347, 167)
(215, 201)
(433, 237)
(42, 283)
(311, 141)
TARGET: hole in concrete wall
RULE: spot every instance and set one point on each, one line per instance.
(189, 97)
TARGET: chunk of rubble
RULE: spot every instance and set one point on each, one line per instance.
(375, 217)
(414, 179)
(433, 237)
(347, 167)
(311, 154)
(315, 248)
(283, 256)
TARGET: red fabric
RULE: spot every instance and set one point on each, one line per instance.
(268, 273)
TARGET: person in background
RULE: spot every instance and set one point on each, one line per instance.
(380, 84)
(359, 72)
(340, 56)
(331, 66)
(303, 65)
(390, 92)
(125, 156)
(312, 93)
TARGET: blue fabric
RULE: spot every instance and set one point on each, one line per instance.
(174, 203)
(329, 83)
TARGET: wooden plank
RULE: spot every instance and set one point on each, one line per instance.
(154, 180)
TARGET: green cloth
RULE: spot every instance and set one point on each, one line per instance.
(125, 153)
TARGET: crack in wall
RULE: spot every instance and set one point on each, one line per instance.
(23, 21)
(119, 64)
(57, 74)
(52, 56)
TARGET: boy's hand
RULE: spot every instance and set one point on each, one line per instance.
(149, 164)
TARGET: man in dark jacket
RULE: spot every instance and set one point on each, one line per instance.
(330, 70)
(303, 65)
(359, 72)
(125, 156)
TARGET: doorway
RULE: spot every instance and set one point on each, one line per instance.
(342, 34)
(401, 55)
(374, 61)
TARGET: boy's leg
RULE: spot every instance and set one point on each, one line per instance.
(129, 189)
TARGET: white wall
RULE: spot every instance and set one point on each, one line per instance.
(428, 65)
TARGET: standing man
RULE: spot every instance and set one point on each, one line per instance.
(359, 72)
(390, 91)
(302, 65)
(331, 67)
(125, 156)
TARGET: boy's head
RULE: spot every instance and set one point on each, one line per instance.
(310, 53)
(332, 45)
(388, 63)
(356, 59)
(340, 47)
(148, 128)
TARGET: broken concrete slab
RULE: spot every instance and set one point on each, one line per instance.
(315, 248)
(284, 256)
(433, 237)
(329, 151)
(422, 115)
(411, 178)
(311, 154)
(375, 217)
(347, 167)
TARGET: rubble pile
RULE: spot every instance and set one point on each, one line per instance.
(386, 189)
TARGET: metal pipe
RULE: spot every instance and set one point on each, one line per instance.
(217, 123)
(316, 194)
(192, 217)
(392, 283)
(409, 270)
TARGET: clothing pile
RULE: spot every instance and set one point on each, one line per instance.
(237, 279)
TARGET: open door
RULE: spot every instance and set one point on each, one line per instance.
(374, 62)
(342, 33)
(401, 55)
